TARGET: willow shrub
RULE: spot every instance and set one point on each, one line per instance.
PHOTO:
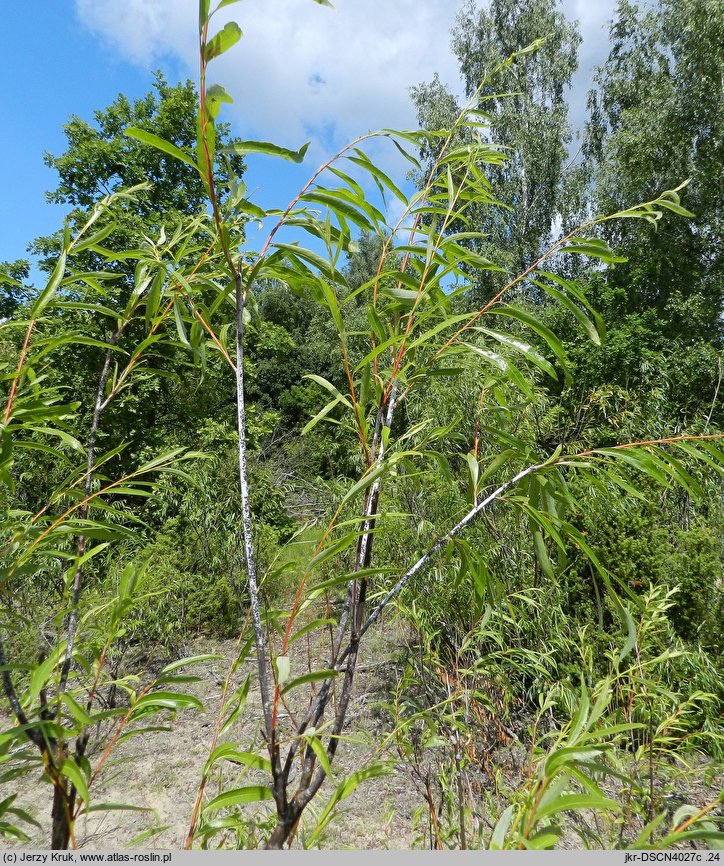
(194, 289)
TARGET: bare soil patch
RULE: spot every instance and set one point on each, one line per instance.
(160, 772)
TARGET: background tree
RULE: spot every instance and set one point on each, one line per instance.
(100, 159)
(656, 115)
(529, 122)
(13, 292)
(656, 119)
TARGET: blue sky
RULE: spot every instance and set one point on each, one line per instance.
(301, 72)
(53, 67)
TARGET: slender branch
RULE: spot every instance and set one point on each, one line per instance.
(483, 504)
(18, 371)
(410, 318)
(512, 283)
(156, 325)
(451, 533)
(665, 440)
(157, 467)
(210, 331)
(240, 298)
(353, 601)
(295, 201)
(356, 409)
(82, 742)
(306, 796)
(83, 513)
(365, 550)
(694, 818)
(259, 639)
(95, 214)
(714, 398)
(32, 734)
(117, 733)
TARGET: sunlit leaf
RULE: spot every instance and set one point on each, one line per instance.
(160, 144)
(222, 41)
(243, 148)
(239, 796)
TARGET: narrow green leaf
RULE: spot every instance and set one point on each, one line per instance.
(228, 752)
(675, 208)
(180, 327)
(541, 554)
(48, 293)
(593, 248)
(76, 710)
(203, 13)
(236, 702)
(377, 173)
(94, 239)
(320, 588)
(576, 802)
(320, 380)
(242, 148)
(322, 414)
(190, 660)
(160, 144)
(588, 326)
(340, 206)
(312, 677)
(331, 300)
(630, 626)
(524, 349)
(554, 344)
(318, 748)
(504, 368)
(92, 308)
(333, 548)
(248, 794)
(118, 807)
(72, 771)
(215, 96)
(43, 672)
(156, 701)
(366, 480)
(543, 840)
(497, 840)
(310, 626)
(343, 790)
(573, 755)
(7, 808)
(297, 253)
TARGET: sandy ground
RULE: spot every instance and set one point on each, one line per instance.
(161, 771)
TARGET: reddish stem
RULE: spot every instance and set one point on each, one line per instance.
(21, 361)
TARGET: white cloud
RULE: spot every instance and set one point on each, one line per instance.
(301, 70)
